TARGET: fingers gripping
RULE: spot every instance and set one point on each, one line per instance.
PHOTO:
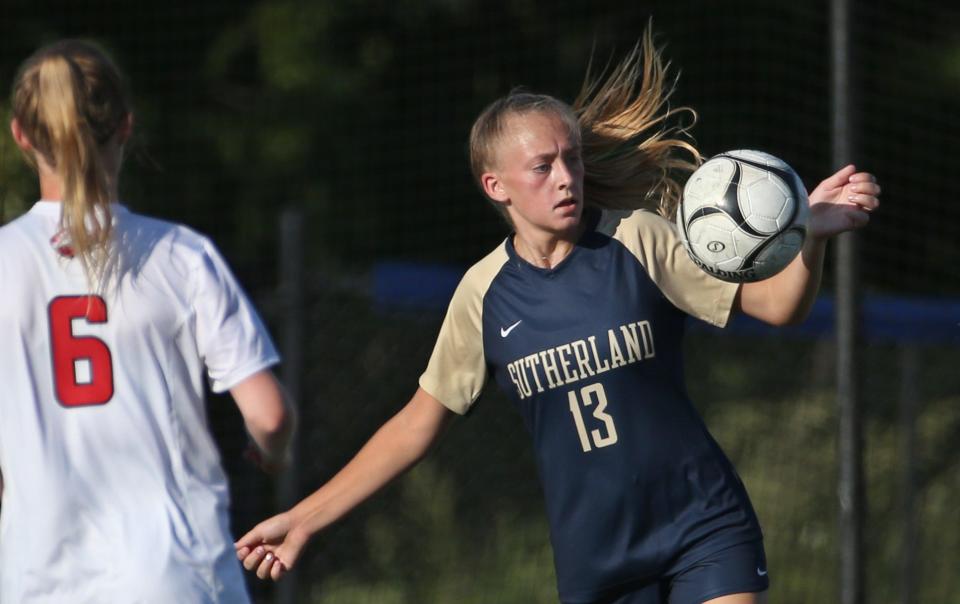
(264, 562)
(248, 541)
(263, 569)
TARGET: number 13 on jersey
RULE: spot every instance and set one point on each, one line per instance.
(589, 394)
(82, 365)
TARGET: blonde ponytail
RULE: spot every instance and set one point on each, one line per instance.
(632, 151)
(69, 101)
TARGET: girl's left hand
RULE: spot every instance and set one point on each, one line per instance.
(842, 202)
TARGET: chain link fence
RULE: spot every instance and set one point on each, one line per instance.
(354, 115)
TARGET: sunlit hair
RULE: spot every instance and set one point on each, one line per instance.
(69, 100)
(632, 150)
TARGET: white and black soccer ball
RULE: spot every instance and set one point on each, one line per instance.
(743, 215)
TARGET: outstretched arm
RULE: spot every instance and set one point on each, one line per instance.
(273, 546)
(840, 203)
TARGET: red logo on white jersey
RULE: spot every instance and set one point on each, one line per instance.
(64, 249)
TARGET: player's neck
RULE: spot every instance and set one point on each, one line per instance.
(51, 185)
(544, 251)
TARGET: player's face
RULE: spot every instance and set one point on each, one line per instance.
(539, 175)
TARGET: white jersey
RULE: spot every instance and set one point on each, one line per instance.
(113, 489)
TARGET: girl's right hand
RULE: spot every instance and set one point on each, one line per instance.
(272, 547)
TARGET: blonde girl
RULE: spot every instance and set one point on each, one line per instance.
(578, 315)
(113, 490)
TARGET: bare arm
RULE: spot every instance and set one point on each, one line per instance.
(274, 545)
(268, 419)
(840, 203)
(787, 297)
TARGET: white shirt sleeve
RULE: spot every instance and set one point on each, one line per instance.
(231, 337)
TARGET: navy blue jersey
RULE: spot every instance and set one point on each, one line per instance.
(590, 351)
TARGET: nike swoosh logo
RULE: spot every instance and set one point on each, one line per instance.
(506, 332)
(761, 572)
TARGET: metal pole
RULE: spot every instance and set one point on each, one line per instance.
(291, 295)
(909, 402)
(850, 449)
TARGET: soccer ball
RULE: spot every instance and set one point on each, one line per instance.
(743, 215)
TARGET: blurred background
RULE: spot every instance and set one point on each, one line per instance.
(322, 145)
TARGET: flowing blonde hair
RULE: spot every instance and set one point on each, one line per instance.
(70, 100)
(633, 151)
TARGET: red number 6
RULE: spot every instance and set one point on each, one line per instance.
(68, 350)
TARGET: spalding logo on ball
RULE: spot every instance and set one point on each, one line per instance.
(743, 215)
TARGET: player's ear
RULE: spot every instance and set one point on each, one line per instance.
(493, 187)
(19, 136)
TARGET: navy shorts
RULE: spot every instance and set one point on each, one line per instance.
(738, 569)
